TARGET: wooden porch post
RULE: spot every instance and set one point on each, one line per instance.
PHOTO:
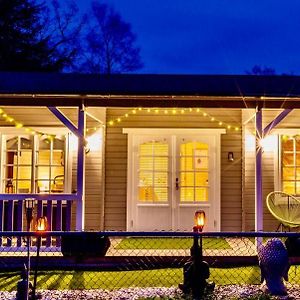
(80, 205)
(258, 171)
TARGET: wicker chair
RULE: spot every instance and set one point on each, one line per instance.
(285, 208)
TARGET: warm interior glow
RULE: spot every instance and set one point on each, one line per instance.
(153, 171)
(41, 224)
(194, 164)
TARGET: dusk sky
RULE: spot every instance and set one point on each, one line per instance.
(213, 36)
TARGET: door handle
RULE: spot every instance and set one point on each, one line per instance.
(177, 184)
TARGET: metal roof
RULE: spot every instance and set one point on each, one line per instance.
(63, 89)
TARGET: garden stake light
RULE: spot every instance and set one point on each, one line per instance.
(29, 206)
(40, 228)
(196, 271)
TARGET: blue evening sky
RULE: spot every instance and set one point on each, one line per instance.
(213, 36)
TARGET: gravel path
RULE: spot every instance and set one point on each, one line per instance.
(221, 292)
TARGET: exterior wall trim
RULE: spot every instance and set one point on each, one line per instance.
(173, 131)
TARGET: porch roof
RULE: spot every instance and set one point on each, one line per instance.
(131, 90)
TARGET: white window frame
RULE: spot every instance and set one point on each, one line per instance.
(277, 156)
(68, 155)
(133, 132)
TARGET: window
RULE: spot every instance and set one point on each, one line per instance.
(153, 172)
(33, 164)
(194, 172)
(290, 164)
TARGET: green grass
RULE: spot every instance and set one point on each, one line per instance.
(60, 280)
(170, 243)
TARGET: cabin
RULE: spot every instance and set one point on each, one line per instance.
(143, 152)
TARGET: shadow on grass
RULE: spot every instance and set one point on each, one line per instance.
(68, 280)
(8, 281)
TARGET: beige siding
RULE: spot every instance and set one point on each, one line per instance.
(116, 161)
(269, 169)
(42, 117)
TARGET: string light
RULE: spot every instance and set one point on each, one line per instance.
(173, 111)
(48, 136)
(119, 119)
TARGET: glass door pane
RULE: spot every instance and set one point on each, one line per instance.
(153, 172)
(193, 172)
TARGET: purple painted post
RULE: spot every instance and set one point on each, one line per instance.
(39, 208)
(80, 204)
(58, 225)
(49, 221)
(68, 215)
(19, 220)
(258, 173)
(10, 219)
(276, 121)
(60, 116)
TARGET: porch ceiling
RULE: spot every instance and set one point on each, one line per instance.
(134, 90)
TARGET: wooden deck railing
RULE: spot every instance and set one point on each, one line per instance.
(13, 216)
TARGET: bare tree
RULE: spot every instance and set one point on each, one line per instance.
(259, 70)
(109, 45)
(65, 25)
(37, 37)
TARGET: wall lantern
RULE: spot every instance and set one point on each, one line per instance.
(230, 156)
(199, 221)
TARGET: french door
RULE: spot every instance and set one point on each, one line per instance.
(171, 174)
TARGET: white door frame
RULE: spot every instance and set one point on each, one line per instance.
(135, 132)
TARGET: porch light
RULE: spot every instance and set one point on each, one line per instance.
(268, 143)
(199, 220)
(94, 142)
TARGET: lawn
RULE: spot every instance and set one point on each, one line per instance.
(60, 280)
(170, 243)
